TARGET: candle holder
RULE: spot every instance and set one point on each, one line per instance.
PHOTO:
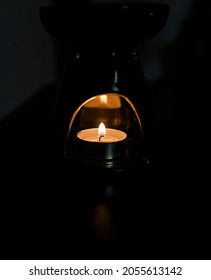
(103, 83)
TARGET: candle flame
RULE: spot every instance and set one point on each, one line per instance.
(101, 131)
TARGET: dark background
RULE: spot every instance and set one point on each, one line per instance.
(163, 214)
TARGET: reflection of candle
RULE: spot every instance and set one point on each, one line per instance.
(106, 101)
(102, 108)
(102, 143)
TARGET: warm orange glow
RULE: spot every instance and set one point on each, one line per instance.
(103, 99)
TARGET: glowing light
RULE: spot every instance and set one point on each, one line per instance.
(101, 131)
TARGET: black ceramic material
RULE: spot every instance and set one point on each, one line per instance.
(103, 39)
(108, 24)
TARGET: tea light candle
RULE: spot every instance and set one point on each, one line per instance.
(101, 143)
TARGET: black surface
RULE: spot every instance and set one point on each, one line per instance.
(47, 212)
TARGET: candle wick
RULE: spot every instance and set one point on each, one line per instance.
(101, 137)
